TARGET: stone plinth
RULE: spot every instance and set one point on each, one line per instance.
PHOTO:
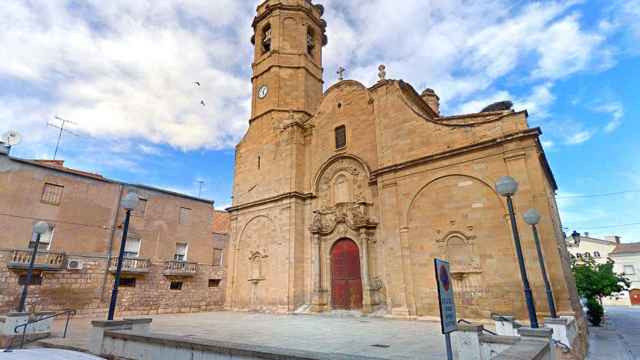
(96, 333)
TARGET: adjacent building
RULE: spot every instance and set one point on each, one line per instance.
(344, 197)
(626, 259)
(584, 246)
(174, 251)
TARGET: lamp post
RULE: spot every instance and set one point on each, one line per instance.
(532, 217)
(39, 228)
(507, 187)
(576, 237)
(129, 203)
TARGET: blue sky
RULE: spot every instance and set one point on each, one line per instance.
(123, 71)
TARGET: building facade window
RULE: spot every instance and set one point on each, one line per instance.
(128, 282)
(176, 285)
(214, 283)
(36, 279)
(45, 240)
(596, 254)
(52, 194)
(184, 217)
(132, 248)
(218, 255)
(141, 210)
(629, 270)
(181, 252)
(341, 137)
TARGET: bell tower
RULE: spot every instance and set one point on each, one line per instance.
(287, 67)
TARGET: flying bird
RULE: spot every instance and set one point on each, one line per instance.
(202, 103)
(197, 83)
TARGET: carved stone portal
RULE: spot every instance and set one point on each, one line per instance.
(343, 210)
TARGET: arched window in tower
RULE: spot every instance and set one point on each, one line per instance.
(310, 41)
(341, 137)
(266, 38)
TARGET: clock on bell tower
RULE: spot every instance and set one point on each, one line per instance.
(287, 68)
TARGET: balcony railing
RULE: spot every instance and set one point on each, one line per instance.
(180, 268)
(131, 265)
(45, 260)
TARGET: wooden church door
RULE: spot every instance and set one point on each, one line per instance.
(346, 281)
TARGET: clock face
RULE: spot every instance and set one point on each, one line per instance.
(262, 93)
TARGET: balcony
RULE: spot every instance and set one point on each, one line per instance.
(180, 268)
(131, 266)
(45, 260)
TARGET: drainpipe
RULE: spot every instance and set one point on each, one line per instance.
(111, 240)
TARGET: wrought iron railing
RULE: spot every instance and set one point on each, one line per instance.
(45, 260)
(463, 321)
(136, 265)
(175, 267)
(68, 313)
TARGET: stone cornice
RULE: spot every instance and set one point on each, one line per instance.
(535, 132)
(280, 110)
(289, 195)
(283, 7)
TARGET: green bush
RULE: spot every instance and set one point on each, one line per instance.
(595, 312)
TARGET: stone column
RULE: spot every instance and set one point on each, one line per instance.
(407, 273)
(316, 271)
(366, 292)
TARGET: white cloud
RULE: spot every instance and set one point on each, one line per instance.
(548, 144)
(616, 111)
(538, 101)
(477, 105)
(125, 69)
(579, 137)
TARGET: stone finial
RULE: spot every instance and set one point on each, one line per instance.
(382, 72)
(340, 73)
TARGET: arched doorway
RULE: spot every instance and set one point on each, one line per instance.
(634, 296)
(346, 280)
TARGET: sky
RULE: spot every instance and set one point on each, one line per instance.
(123, 72)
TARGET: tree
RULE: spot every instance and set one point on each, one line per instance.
(595, 281)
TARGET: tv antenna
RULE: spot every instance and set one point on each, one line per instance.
(200, 184)
(11, 138)
(61, 128)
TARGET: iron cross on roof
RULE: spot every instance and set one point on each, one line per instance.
(340, 73)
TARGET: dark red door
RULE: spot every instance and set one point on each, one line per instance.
(346, 282)
(635, 296)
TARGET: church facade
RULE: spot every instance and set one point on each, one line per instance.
(343, 198)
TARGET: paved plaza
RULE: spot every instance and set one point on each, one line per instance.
(372, 337)
(619, 339)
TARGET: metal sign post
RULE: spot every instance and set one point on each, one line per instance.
(447, 305)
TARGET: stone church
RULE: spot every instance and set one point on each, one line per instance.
(343, 198)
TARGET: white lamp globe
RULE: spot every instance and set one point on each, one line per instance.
(130, 201)
(507, 186)
(532, 217)
(41, 227)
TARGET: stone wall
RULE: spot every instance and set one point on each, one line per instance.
(89, 290)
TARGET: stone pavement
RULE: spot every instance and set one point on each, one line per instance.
(375, 337)
(619, 338)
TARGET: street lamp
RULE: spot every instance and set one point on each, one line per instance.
(129, 203)
(532, 217)
(576, 237)
(39, 228)
(507, 187)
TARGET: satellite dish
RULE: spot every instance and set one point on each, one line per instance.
(11, 138)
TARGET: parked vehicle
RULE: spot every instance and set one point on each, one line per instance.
(49, 354)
